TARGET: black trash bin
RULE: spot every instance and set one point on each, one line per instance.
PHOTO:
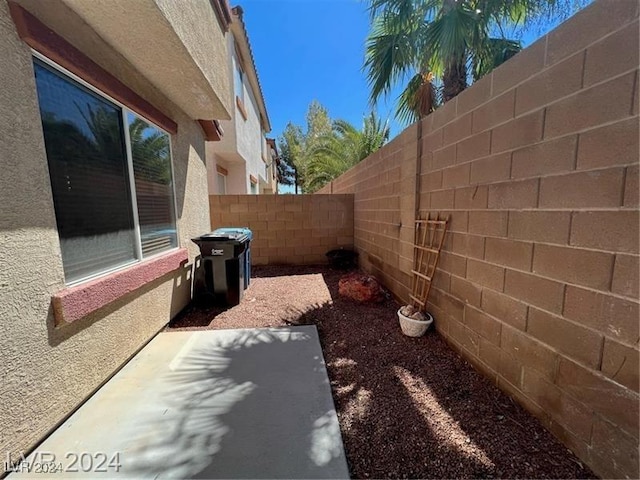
(226, 265)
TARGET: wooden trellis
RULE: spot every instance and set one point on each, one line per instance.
(429, 237)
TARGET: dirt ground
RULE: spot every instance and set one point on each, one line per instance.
(408, 408)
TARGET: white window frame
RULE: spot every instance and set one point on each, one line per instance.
(224, 180)
(238, 75)
(130, 172)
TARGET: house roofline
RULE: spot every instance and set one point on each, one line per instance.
(241, 37)
(223, 12)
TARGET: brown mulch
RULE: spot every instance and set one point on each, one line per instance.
(408, 408)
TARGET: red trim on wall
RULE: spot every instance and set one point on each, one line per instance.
(253, 179)
(224, 13)
(212, 130)
(74, 303)
(240, 106)
(44, 40)
(222, 170)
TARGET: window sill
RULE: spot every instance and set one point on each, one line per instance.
(241, 108)
(73, 303)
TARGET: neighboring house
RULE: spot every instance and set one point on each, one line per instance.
(272, 166)
(106, 110)
(238, 163)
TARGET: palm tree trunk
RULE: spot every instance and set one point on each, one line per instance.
(454, 80)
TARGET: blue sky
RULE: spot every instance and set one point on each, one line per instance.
(310, 50)
(314, 50)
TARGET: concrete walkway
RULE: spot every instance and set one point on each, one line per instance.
(251, 403)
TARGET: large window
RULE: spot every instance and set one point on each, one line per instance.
(111, 177)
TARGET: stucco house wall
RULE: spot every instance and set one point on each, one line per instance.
(241, 148)
(47, 370)
(250, 137)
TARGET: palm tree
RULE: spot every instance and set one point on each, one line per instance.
(150, 151)
(336, 152)
(457, 41)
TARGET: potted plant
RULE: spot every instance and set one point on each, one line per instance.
(413, 322)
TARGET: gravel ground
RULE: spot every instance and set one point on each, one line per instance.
(408, 408)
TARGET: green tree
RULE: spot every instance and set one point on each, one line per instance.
(295, 144)
(457, 41)
(291, 145)
(286, 171)
(325, 149)
(344, 146)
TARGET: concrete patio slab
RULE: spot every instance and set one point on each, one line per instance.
(250, 403)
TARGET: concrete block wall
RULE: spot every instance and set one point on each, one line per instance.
(537, 164)
(384, 205)
(288, 229)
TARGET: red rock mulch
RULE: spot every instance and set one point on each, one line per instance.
(408, 407)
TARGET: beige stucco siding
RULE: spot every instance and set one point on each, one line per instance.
(195, 23)
(242, 140)
(250, 138)
(178, 46)
(46, 372)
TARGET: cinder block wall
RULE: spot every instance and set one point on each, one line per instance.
(384, 209)
(537, 164)
(288, 229)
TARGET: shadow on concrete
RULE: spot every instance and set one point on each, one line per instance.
(249, 404)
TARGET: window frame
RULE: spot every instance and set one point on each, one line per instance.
(124, 111)
(238, 88)
(224, 178)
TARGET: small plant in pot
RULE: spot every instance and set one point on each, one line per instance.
(413, 322)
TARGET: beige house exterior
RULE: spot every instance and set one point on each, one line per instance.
(157, 62)
(242, 162)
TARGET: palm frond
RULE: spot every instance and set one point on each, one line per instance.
(457, 40)
(494, 52)
(417, 100)
(390, 52)
(333, 154)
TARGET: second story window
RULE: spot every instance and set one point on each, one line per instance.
(238, 80)
(222, 184)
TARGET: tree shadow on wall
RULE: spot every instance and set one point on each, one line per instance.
(413, 408)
